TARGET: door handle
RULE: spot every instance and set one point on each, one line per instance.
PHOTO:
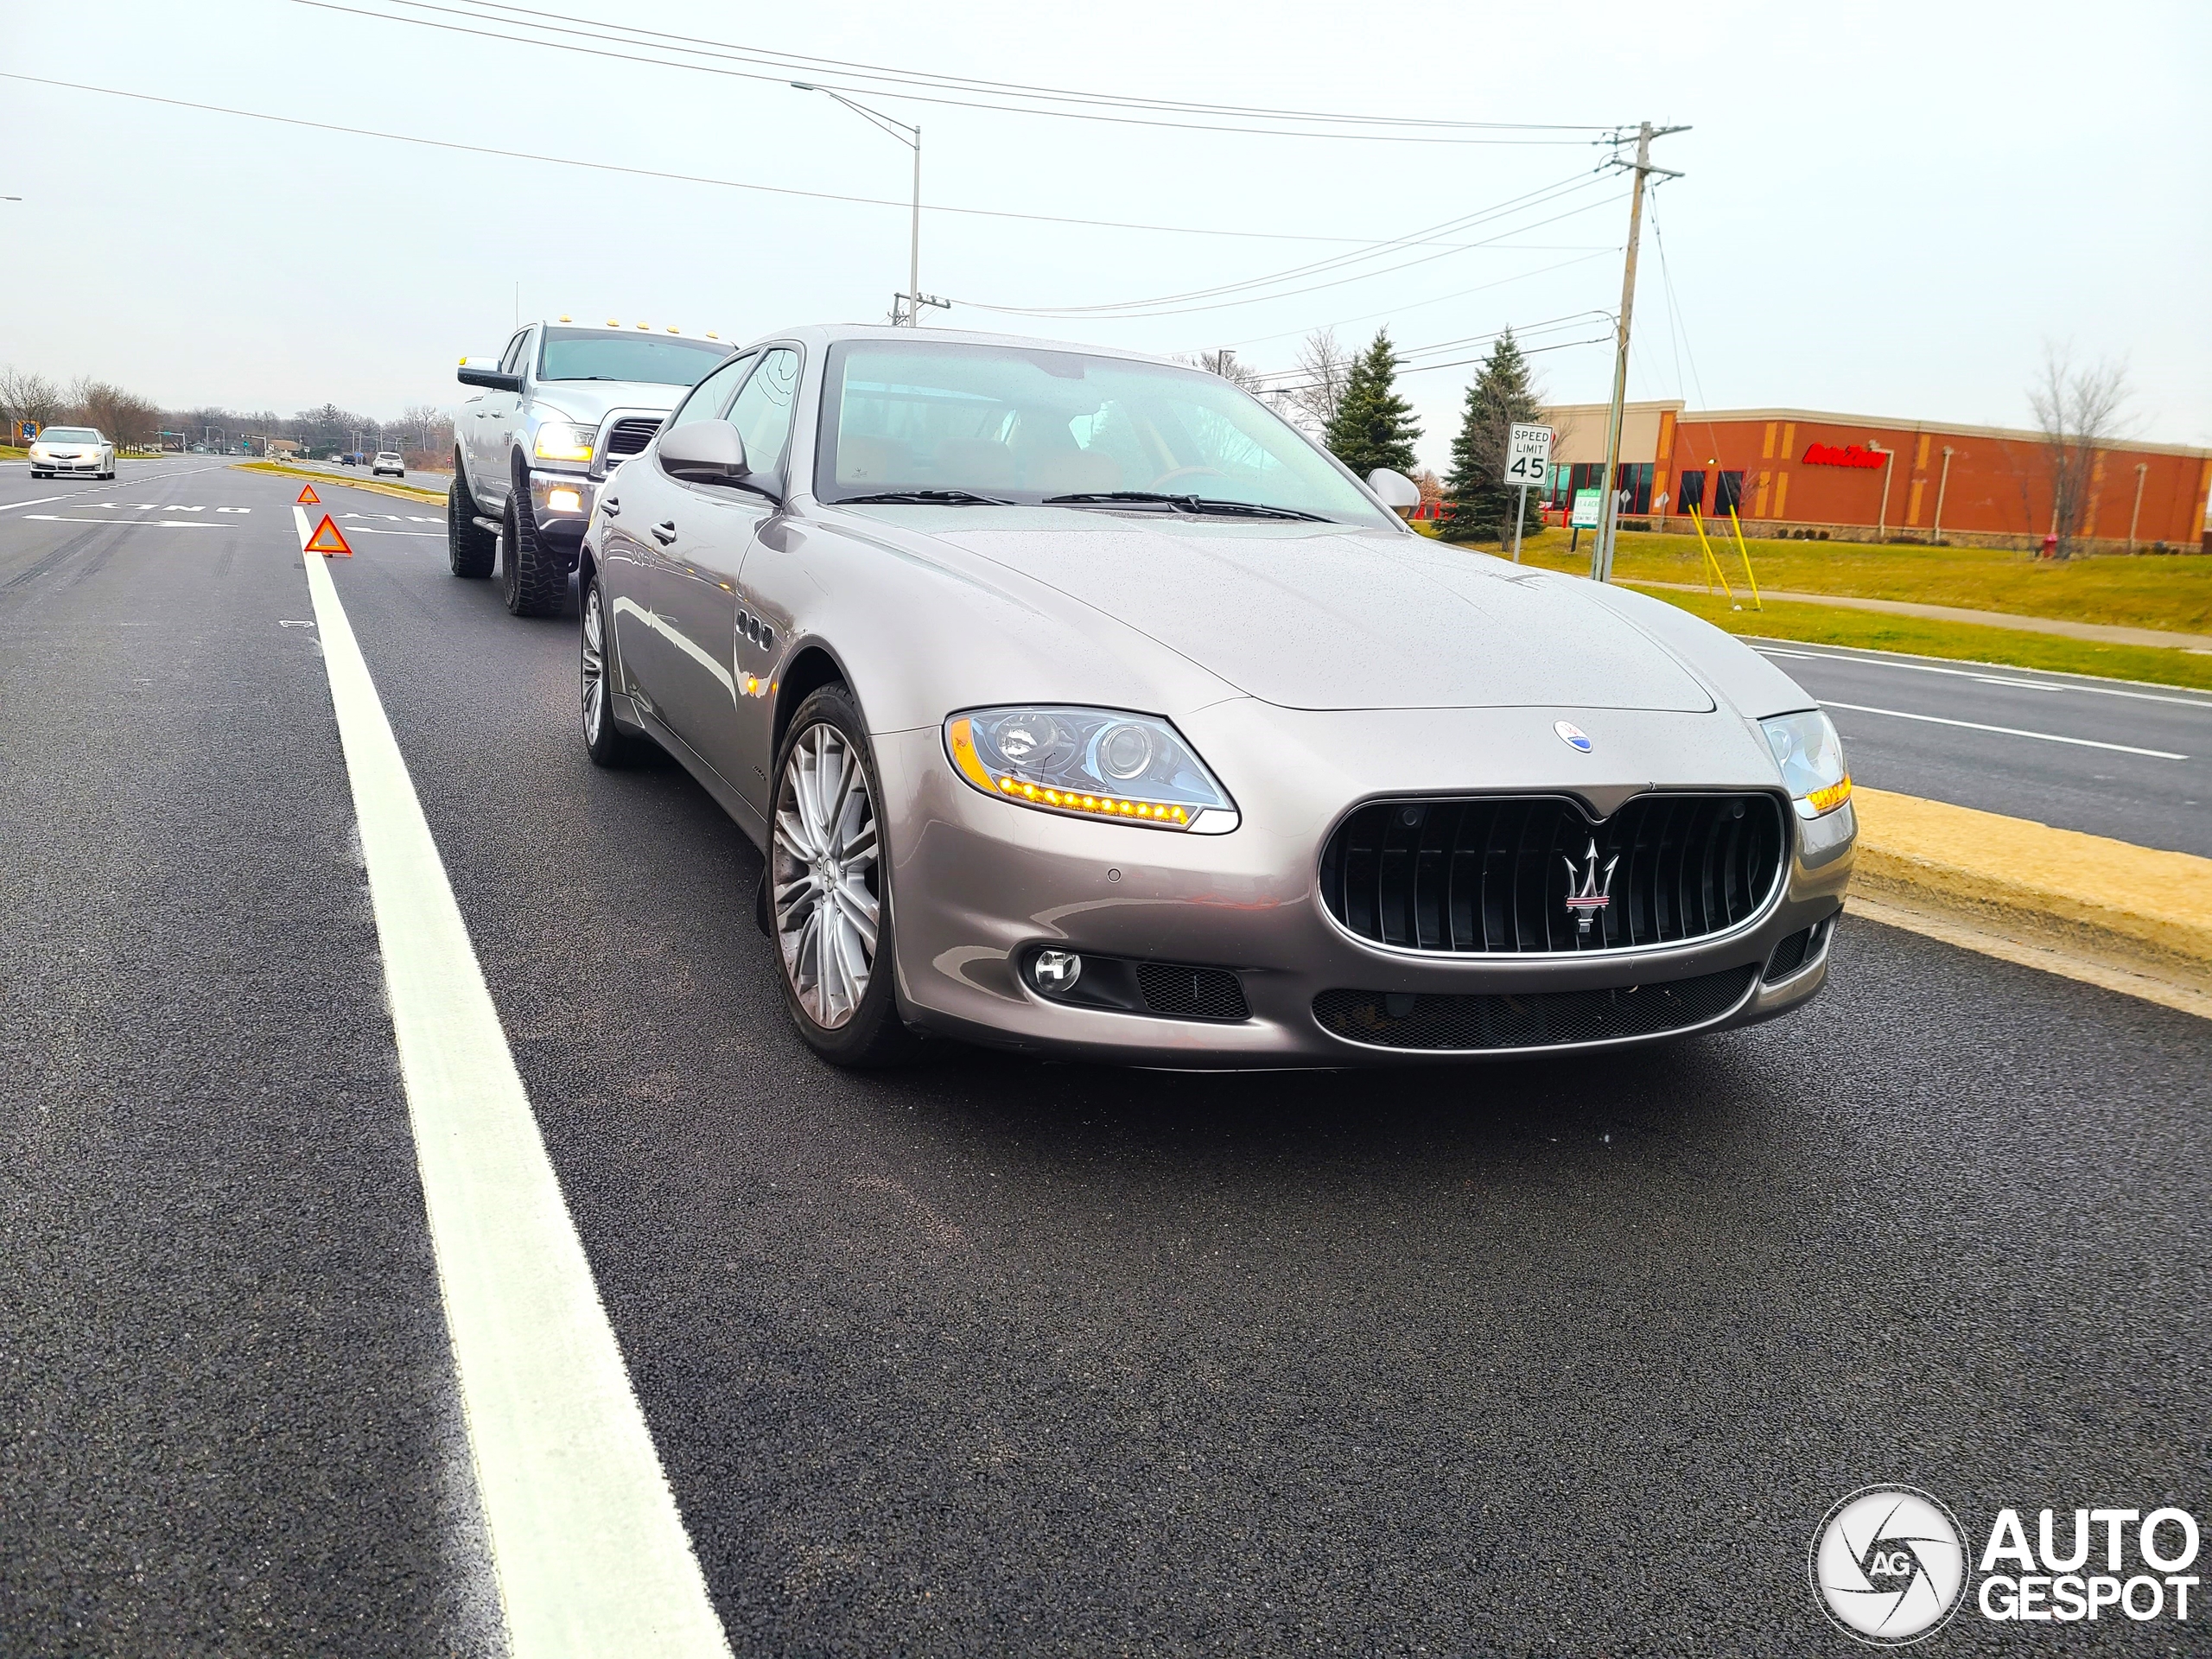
(610, 508)
(664, 532)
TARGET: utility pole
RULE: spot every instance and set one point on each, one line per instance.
(1601, 557)
(907, 309)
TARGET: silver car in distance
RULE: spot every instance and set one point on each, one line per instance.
(1082, 706)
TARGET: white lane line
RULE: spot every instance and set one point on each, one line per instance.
(592, 1557)
(35, 501)
(2005, 731)
(156, 524)
(371, 530)
(1970, 673)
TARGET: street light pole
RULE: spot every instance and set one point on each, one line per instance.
(911, 136)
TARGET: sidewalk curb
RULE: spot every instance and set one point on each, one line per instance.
(2129, 918)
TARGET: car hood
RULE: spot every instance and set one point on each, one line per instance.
(585, 401)
(1318, 616)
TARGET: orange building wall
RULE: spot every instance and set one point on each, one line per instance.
(1996, 485)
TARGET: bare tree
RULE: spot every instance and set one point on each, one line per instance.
(2078, 409)
(1224, 363)
(1324, 367)
(27, 397)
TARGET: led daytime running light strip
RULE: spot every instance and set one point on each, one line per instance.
(1827, 800)
(1159, 814)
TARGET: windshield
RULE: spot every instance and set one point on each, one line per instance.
(68, 434)
(1021, 423)
(598, 354)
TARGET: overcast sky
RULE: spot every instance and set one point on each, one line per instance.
(1886, 210)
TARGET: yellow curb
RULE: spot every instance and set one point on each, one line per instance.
(404, 492)
(2132, 914)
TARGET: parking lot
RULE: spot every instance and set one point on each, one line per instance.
(1565, 1356)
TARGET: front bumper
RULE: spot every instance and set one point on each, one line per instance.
(85, 464)
(562, 517)
(978, 884)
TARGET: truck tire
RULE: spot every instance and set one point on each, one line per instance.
(533, 578)
(469, 549)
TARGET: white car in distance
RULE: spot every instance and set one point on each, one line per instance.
(60, 449)
(387, 462)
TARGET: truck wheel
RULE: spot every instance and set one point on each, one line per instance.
(469, 549)
(533, 578)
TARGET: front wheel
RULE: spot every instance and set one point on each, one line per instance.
(605, 740)
(533, 580)
(829, 888)
(470, 550)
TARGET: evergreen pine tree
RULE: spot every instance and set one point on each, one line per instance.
(1478, 501)
(1373, 426)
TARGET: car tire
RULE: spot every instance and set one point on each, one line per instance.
(470, 549)
(819, 945)
(606, 740)
(533, 578)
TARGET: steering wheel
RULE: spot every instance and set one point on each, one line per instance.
(1165, 479)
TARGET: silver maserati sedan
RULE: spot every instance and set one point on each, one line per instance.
(1082, 706)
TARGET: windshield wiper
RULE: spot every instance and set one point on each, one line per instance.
(1183, 504)
(926, 498)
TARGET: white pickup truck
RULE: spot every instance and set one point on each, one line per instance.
(559, 409)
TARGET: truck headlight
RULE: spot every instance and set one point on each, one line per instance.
(561, 441)
(1810, 754)
(1091, 763)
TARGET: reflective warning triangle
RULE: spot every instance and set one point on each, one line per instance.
(307, 497)
(327, 539)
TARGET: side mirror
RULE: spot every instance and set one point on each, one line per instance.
(704, 452)
(1394, 490)
(485, 372)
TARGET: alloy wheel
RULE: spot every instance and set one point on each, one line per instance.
(825, 875)
(595, 663)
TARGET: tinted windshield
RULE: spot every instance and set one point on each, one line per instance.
(599, 355)
(68, 434)
(1023, 423)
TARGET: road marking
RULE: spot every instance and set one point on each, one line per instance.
(154, 524)
(35, 501)
(591, 1552)
(2005, 731)
(1970, 673)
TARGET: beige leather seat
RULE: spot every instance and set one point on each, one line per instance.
(878, 462)
(975, 464)
(1075, 472)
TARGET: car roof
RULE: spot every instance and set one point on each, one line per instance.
(827, 334)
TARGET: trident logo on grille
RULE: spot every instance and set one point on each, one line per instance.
(1596, 891)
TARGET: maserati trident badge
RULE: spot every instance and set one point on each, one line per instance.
(1594, 891)
(1573, 736)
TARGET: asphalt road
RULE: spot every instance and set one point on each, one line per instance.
(2060, 748)
(989, 1355)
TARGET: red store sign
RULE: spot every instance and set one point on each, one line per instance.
(1850, 455)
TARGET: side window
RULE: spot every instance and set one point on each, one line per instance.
(511, 363)
(711, 396)
(762, 413)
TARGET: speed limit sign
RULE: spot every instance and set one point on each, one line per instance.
(1528, 455)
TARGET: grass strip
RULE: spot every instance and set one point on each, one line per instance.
(404, 492)
(1822, 625)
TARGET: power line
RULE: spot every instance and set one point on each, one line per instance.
(673, 177)
(1002, 108)
(1220, 305)
(741, 52)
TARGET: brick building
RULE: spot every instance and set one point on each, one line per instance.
(1795, 472)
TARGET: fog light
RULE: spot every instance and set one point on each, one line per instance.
(565, 500)
(1056, 971)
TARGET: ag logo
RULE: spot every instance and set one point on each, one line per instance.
(1888, 1566)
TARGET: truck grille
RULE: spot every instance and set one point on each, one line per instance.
(1495, 875)
(1532, 1019)
(628, 437)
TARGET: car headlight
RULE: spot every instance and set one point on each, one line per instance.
(559, 441)
(1811, 755)
(1092, 763)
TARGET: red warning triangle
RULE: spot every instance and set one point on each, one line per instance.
(307, 497)
(327, 540)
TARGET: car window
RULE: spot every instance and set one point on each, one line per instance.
(511, 363)
(1026, 424)
(762, 413)
(600, 354)
(69, 435)
(711, 396)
